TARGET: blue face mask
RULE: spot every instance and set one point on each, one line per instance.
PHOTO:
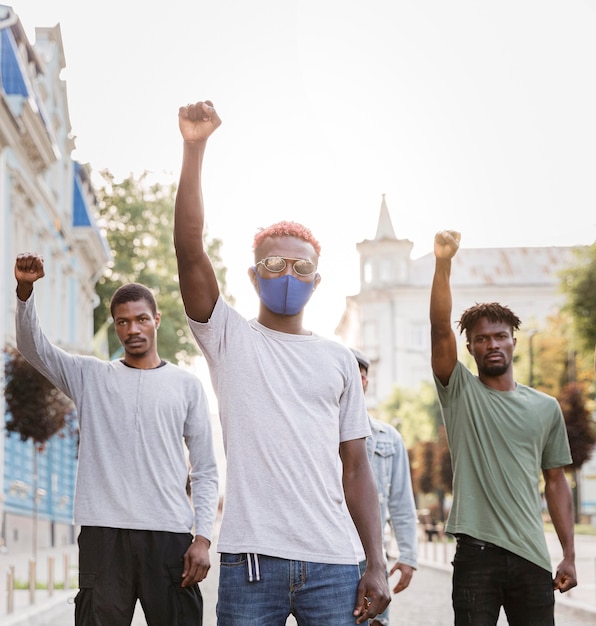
(284, 295)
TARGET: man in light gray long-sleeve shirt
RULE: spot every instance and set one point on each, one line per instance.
(135, 415)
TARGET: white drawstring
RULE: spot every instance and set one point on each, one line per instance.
(257, 572)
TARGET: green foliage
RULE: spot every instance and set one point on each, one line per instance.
(138, 222)
(431, 467)
(415, 413)
(578, 282)
(556, 360)
(37, 409)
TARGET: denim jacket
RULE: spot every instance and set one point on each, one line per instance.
(389, 459)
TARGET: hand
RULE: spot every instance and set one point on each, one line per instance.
(198, 121)
(406, 572)
(27, 269)
(446, 244)
(196, 562)
(373, 595)
(566, 577)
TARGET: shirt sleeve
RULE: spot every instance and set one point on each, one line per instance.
(402, 508)
(204, 485)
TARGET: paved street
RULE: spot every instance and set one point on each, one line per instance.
(425, 603)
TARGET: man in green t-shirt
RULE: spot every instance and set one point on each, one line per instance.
(502, 435)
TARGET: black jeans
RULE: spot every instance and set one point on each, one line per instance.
(118, 566)
(486, 578)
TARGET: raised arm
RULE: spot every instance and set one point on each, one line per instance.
(198, 283)
(443, 343)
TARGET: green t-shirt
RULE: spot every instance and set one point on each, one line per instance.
(500, 441)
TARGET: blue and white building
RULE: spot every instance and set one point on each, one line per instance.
(47, 205)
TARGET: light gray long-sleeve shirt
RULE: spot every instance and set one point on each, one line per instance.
(134, 424)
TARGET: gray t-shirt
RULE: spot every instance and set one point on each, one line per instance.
(134, 424)
(500, 441)
(285, 402)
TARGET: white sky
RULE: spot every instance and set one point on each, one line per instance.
(478, 116)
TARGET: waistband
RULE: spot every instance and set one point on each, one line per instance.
(472, 541)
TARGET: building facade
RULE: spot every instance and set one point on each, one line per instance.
(388, 319)
(47, 205)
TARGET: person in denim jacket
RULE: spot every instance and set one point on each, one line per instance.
(389, 460)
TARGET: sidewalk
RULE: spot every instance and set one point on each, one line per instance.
(427, 602)
(64, 562)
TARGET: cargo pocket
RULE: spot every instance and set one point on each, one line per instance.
(84, 608)
(186, 603)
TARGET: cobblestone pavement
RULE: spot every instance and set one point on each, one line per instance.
(425, 603)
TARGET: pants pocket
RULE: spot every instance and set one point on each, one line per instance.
(84, 609)
(186, 603)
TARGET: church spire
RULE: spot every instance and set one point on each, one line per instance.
(384, 227)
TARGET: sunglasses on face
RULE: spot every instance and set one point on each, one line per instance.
(277, 264)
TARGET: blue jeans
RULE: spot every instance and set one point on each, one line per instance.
(317, 594)
(486, 578)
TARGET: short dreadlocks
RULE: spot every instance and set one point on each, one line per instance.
(493, 311)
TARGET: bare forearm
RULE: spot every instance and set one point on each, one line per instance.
(440, 295)
(362, 502)
(24, 291)
(560, 508)
(189, 214)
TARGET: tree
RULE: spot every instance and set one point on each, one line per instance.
(138, 222)
(415, 413)
(423, 467)
(579, 284)
(430, 463)
(38, 410)
(581, 431)
(557, 360)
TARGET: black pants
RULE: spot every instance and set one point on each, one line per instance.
(117, 567)
(487, 577)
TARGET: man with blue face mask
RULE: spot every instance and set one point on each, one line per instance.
(294, 425)
(284, 293)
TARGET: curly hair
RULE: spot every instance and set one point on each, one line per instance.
(132, 292)
(492, 311)
(286, 229)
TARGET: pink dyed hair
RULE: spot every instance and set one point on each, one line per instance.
(287, 229)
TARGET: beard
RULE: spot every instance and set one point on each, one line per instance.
(494, 369)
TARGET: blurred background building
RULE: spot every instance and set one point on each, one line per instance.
(388, 319)
(46, 206)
